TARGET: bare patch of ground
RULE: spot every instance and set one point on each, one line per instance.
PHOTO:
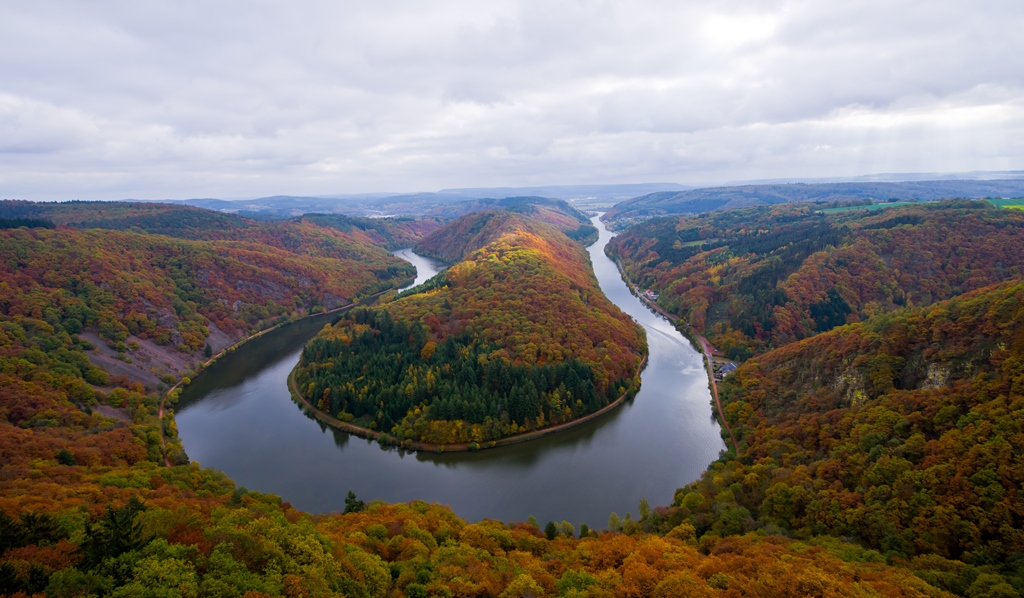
(149, 362)
(112, 412)
(218, 339)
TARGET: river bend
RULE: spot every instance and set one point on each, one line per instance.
(237, 416)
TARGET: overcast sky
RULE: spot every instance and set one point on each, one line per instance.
(106, 99)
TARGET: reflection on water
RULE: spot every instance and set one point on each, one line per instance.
(425, 267)
(237, 416)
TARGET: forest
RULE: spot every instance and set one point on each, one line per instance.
(87, 507)
(903, 432)
(757, 278)
(514, 337)
(558, 213)
(154, 303)
(315, 235)
(880, 446)
(387, 375)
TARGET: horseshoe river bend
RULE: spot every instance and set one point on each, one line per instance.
(237, 416)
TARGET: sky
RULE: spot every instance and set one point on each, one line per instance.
(180, 99)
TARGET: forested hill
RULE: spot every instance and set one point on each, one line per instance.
(391, 233)
(756, 278)
(515, 336)
(905, 432)
(556, 212)
(329, 235)
(89, 506)
(150, 303)
(470, 233)
(694, 201)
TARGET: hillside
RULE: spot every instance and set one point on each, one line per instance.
(757, 278)
(903, 432)
(87, 506)
(324, 235)
(188, 532)
(149, 304)
(555, 212)
(391, 233)
(695, 201)
(467, 234)
(515, 336)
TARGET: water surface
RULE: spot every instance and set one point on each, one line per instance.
(237, 416)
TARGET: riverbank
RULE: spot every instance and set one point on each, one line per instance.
(461, 446)
(185, 380)
(239, 417)
(705, 346)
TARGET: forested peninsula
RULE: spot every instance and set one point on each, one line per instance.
(514, 337)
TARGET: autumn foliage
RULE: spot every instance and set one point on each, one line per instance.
(515, 336)
(903, 432)
(757, 278)
(879, 458)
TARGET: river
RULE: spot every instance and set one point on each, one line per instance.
(237, 416)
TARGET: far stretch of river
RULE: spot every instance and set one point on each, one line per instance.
(238, 417)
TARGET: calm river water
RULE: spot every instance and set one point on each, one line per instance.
(238, 417)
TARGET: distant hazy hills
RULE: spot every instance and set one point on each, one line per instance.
(406, 204)
(694, 201)
(572, 192)
(628, 203)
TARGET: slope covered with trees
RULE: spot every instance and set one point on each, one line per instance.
(88, 507)
(145, 298)
(516, 336)
(391, 233)
(758, 278)
(904, 432)
(556, 212)
(316, 235)
(183, 531)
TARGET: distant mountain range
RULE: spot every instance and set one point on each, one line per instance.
(403, 204)
(695, 201)
(634, 202)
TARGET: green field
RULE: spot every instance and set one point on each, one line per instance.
(877, 206)
(1016, 203)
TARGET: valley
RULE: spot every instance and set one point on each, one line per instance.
(227, 415)
(876, 413)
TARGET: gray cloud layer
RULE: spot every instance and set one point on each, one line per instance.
(189, 98)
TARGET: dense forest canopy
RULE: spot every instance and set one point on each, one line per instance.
(153, 302)
(391, 233)
(757, 278)
(881, 457)
(556, 212)
(515, 336)
(318, 235)
(904, 432)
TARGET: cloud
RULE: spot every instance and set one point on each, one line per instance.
(182, 99)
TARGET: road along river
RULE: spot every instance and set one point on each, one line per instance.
(238, 416)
